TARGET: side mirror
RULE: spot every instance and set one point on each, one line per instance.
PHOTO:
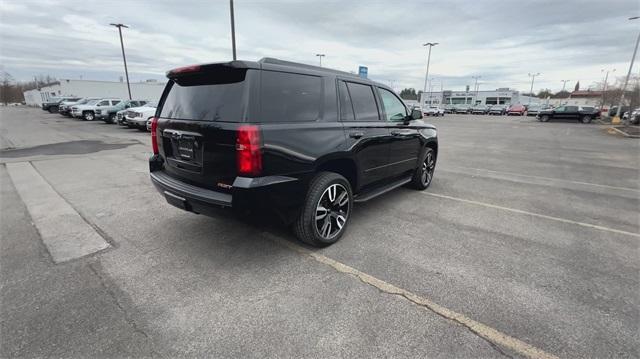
(416, 114)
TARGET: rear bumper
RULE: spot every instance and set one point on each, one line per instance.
(279, 193)
(193, 197)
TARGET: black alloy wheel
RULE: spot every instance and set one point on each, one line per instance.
(326, 212)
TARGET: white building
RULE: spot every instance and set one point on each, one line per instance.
(579, 98)
(150, 90)
(501, 96)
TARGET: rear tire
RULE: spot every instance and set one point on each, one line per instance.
(423, 175)
(586, 119)
(112, 118)
(329, 200)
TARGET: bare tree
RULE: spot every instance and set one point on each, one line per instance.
(5, 87)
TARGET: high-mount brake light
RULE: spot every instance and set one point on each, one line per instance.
(249, 157)
(154, 135)
(185, 69)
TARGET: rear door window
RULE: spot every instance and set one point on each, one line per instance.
(364, 102)
(346, 109)
(287, 97)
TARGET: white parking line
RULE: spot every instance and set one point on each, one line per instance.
(64, 232)
(548, 178)
(557, 219)
(484, 331)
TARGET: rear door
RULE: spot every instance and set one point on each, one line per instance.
(366, 134)
(572, 112)
(199, 115)
(405, 144)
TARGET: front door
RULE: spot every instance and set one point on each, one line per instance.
(405, 140)
(367, 136)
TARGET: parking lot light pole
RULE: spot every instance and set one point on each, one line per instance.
(604, 85)
(320, 56)
(124, 58)
(475, 87)
(564, 84)
(533, 77)
(426, 77)
(616, 118)
(233, 30)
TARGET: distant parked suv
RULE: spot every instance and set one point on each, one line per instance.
(433, 111)
(497, 110)
(517, 110)
(567, 113)
(88, 111)
(480, 109)
(461, 108)
(108, 113)
(300, 141)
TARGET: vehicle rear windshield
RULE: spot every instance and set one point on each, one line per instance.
(206, 97)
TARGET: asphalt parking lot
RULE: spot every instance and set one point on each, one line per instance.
(526, 244)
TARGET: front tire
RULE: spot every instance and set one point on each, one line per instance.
(88, 116)
(326, 211)
(423, 175)
(544, 118)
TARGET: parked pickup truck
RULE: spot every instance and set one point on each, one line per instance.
(88, 111)
(64, 108)
(108, 113)
(567, 113)
(53, 104)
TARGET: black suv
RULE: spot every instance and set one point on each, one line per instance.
(300, 141)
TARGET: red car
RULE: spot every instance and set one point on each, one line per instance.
(516, 110)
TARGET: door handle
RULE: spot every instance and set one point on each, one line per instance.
(356, 134)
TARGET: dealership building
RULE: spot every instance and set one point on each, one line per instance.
(501, 96)
(148, 90)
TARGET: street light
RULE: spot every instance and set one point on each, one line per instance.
(533, 77)
(616, 118)
(604, 86)
(124, 58)
(233, 30)
(426, 77)
(564, 84)
(475, 88)
(320, 56)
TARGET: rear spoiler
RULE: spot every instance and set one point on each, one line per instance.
(211, 68)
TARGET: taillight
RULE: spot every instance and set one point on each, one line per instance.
(184, 70)
(154, 136)
(248, 150)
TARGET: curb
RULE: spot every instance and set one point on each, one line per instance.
(622, 132)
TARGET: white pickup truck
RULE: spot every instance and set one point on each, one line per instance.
(88, 111)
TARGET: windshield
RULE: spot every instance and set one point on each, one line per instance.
(92, 102)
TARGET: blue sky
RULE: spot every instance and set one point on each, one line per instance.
(501, 41)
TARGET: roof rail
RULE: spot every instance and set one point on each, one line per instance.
(274, 61)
